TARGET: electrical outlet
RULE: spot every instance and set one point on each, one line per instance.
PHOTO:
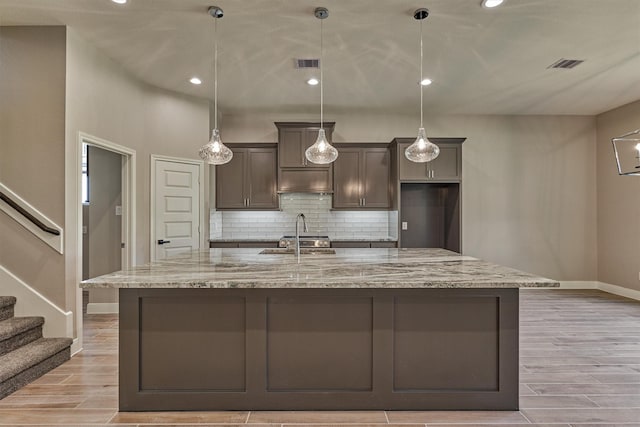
(405, 226)
(118, 210)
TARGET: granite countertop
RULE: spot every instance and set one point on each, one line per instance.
(347, 268)
(388, 239)
(243, 240)
(221, 240)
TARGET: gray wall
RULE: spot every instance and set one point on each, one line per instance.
(618, 203)
(32, 120)
(529, 192)
(52, 86)
(105, 101)
(104, 226)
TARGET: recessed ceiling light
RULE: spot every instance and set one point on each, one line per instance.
(426, 82)
(491, 3)
(119, 1)
(195, 80)
(312, 81)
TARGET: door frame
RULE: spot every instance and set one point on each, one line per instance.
(128, 195)
(152, 202)
(73, 207)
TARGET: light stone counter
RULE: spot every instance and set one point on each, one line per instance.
(347, 268)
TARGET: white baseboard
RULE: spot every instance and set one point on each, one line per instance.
(619, 290)
(103, 308)
(605, 287)
(75, 347)
(575, 284)
(57, 323)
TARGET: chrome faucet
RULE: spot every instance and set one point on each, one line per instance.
(305, 230)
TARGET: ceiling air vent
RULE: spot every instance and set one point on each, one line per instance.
(307, 63)
(566, 64)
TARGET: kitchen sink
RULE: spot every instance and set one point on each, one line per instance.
(303, 251)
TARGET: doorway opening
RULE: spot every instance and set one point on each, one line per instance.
(430, 215)
(107, 216)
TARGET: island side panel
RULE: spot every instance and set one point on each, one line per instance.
(318, 349)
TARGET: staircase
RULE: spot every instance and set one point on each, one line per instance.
(24, 354)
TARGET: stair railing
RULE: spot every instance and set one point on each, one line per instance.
(5, 198)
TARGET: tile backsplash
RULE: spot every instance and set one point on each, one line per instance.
(338, 225)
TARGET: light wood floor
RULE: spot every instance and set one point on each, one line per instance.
(579, 365)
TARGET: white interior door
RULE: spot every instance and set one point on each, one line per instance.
(177, 208)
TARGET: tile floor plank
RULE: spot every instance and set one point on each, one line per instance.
(577, 370)
(317, 417)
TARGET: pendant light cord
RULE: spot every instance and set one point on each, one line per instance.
(215, 74)
(420, 81)
(321, 77)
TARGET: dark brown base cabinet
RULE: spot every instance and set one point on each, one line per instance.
(249, 181)
(318, 349)
(363, 244)
(244, 244)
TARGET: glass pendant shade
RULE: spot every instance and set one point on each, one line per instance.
(321, 152)
(422, 150)
(215, 152)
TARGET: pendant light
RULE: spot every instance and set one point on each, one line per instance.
(215, 152)
(422, 150)
(321, 152)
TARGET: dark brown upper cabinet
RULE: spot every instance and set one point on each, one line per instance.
(361, 177)
(295, 172)
(249, 180)
(447, 167)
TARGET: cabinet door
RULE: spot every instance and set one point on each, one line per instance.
(223, 245)
(384, 244)
(292, 145)
(347, 173)
(410, 171)
(309, 137)
(261, 173)
(446, 166)
(291, 148)
(348, 244)
(375, 177)
(257, 244)
(230, 180)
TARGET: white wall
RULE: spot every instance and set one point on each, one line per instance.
(529, 186)
(618, 203)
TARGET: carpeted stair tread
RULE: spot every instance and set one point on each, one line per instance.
(7, 307)
(7, 301)
(21, 359)
(17, 325)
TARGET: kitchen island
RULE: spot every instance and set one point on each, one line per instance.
(235, 329)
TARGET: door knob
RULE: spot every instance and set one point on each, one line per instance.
(162, 242)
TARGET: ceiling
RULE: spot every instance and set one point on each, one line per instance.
(482, 61)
